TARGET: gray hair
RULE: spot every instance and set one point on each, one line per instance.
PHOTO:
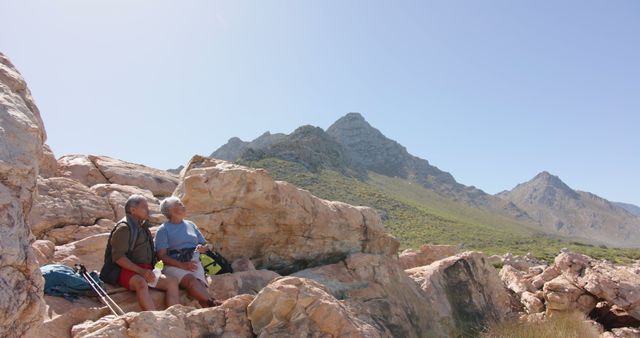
(167, 204)
(132, 202)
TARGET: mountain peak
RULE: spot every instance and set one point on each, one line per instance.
(548, 179)
(351, 120)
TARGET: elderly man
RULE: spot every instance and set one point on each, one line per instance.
(130, 256)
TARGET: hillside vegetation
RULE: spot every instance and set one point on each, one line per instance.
(417, 216)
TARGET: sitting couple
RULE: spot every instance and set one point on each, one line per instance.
(130, 259)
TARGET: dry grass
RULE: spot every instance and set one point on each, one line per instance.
(561, 325)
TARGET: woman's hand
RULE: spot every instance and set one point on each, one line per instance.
(191, 265)
(201, 248)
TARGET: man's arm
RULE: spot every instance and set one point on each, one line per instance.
(119, 248)
(125, 263)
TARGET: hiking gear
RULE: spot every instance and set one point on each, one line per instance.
(110, 270)
(214, 264)
(108, 301)
(182, 255)
(62, 281)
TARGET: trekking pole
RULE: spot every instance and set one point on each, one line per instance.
(100, 291)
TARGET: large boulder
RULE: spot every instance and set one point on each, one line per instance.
(561, 295)
(160, 182)
(117, 195)
(378, 292)
(92, 169)
(72, 233)
(22, 136)
(87, 251)
(618, 285)
(426, 255)
(292, 307)
(464, 293)
(81, 169)
(63, 201)
(276, 225)
(229, 285)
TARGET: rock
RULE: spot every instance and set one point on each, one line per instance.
(548, 274)
(617, 285)
(227, 320)
(276, 225)
(88, 251)
(464, 291)
(48, 165)
(426, 255)
(72, 233)
(161, 183)
(80, 168)
(290, 306)
(62, 315)
(495, 260)
(242, 264)
(168, 323)
(515, 280)
(43, 250)
(612, 316)
(522, 263)
(63, 201)
(533, 317)
(22, 136)
(561, 295)
(379, 292)
(624, 332)
(229, 285)
(532, 304)
(117, 196)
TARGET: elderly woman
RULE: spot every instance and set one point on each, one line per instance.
(178, 243)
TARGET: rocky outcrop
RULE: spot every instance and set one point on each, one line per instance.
(522, 263)
(63, 201)
(72, 233)
(91, 170)
(380, 293)
(290, 306)
(161, 183)
(426, 255)
(617, 285)
(22, 136)
(81, 169)
(561, 295)
(464, 292)
(229, 285)
(48, 166)
(88, 251)
(117, 195)
(276, 225)
(227, 320)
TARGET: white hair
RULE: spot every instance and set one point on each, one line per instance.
(167, 204)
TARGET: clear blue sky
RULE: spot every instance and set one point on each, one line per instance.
(492, 91)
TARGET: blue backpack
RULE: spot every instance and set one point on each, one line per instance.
(63, 281)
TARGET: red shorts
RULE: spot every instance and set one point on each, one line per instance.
(125, 275)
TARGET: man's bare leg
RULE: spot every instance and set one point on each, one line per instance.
(138, 284)
(170, 285)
